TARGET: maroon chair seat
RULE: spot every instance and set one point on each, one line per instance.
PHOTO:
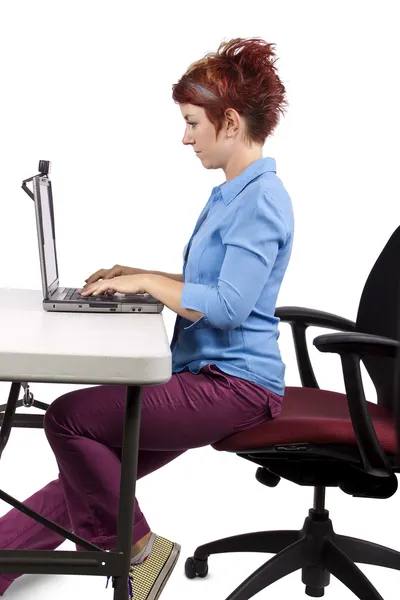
(312, 416)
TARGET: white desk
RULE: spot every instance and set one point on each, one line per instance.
(95, 348)
(98, 348)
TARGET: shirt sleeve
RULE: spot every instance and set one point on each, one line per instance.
(251, 239)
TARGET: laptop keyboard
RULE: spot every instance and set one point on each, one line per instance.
(72, 294)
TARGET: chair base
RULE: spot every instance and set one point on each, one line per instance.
(316, 549)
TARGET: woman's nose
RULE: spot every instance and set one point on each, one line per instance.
(187, 138)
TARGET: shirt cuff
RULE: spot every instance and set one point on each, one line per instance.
(195, 296)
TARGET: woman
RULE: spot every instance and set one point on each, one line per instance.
(227, 371)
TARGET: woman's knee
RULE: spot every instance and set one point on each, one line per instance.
(56, 416)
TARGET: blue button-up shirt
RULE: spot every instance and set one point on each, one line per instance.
(236, 259)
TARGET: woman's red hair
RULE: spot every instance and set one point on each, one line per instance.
(240, 75)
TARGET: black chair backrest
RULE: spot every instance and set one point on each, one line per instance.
(397, 403)
(379, 314)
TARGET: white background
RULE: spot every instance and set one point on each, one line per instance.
(87, 85)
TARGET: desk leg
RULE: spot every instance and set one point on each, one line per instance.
(130, 451)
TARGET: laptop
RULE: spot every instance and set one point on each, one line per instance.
(56, 298)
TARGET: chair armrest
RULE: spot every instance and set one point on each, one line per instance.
(311, 317)
(363, 344)
(299, 319)
(352, 347)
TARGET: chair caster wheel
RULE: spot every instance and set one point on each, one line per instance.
(314, 592)
(195, 567)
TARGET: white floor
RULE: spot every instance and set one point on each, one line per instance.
(202, 496)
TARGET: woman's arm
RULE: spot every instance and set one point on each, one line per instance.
(134, 271)
(251, 241)
(169, 292)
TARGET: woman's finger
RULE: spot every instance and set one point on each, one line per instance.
(100, 289)
(96, 276)
(111, 273)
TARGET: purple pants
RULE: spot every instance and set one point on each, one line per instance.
(84, 429)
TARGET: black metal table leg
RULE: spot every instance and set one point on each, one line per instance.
(7, 421)
(130, 451)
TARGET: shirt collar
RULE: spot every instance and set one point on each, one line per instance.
(230, 189)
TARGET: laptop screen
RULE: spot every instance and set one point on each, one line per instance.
(49, 251)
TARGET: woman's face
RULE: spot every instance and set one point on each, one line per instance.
(200, 134)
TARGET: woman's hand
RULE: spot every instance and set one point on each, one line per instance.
(115, 271)
(125, 284)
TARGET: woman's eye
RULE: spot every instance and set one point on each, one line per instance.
(192, 124)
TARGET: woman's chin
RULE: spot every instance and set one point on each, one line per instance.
(205, 162)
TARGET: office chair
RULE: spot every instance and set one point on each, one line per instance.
(325, 439)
